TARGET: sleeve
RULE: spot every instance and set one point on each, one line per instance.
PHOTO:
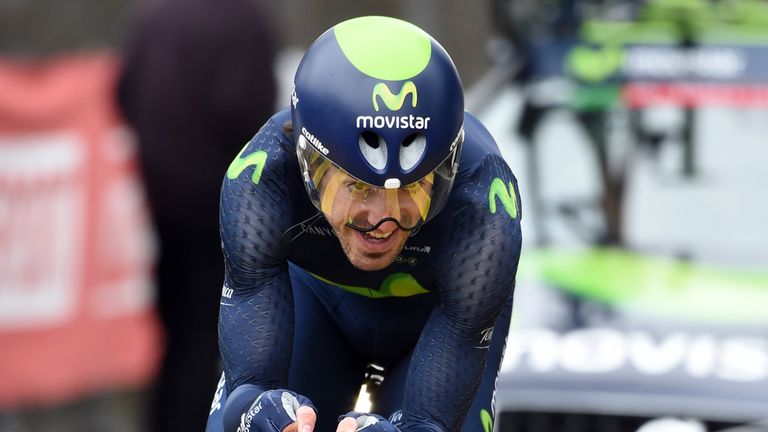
(256, 312)
(475, 278)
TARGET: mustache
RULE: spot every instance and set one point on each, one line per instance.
(379, 223)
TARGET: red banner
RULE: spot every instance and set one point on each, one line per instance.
(75, 247)
(640, 95)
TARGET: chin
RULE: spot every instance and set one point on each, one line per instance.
(364, 259)
(371, 264)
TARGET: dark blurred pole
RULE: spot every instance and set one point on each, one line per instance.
(688, 139)
(612, 180)
(197, 83)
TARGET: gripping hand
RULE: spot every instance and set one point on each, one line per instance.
(275, 410)
(366, 423)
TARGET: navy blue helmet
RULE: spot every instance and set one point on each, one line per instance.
(378, 109)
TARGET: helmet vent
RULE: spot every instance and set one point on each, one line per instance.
(412, 150)
(374, 149)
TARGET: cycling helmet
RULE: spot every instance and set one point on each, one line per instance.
(378, 111)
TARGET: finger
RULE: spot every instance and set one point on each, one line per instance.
(306, 419)
(348, 424)
(293, 427)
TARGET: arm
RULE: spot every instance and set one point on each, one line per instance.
(256, 313)
(475, 279)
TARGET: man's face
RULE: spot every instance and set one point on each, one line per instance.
(346, 200)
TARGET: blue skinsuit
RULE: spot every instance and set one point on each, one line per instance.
(296, 314)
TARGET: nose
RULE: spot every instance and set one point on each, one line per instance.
(382, 206)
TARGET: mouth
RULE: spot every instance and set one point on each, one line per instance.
(379, 236)
(377, 241)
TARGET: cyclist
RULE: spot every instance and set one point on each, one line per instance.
(373, 221)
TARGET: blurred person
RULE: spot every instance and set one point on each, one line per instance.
(374, 221)
(196, 81)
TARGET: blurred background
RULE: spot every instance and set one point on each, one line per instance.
(635, 128)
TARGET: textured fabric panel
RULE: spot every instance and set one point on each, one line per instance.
(256, 314)
(476, 276)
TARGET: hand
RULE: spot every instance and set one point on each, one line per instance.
(354, 421)
(279, 411)
(305, 420)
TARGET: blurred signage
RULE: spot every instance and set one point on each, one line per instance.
(615, 332)
(708, 63)
(75, 251)
(605, 350)
(713, 375)
(724, 75)
(643, 74)
(643, 94)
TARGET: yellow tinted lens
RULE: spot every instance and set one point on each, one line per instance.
(330, 190)
(320, 171)
(343, 197)
(420, 194)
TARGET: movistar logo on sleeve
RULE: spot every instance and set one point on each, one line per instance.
(393, 102)
(256, 158)
(507, 197)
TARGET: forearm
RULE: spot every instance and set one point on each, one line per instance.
(255, 339)
(475, 279)
(443, 377)
(256, 333)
